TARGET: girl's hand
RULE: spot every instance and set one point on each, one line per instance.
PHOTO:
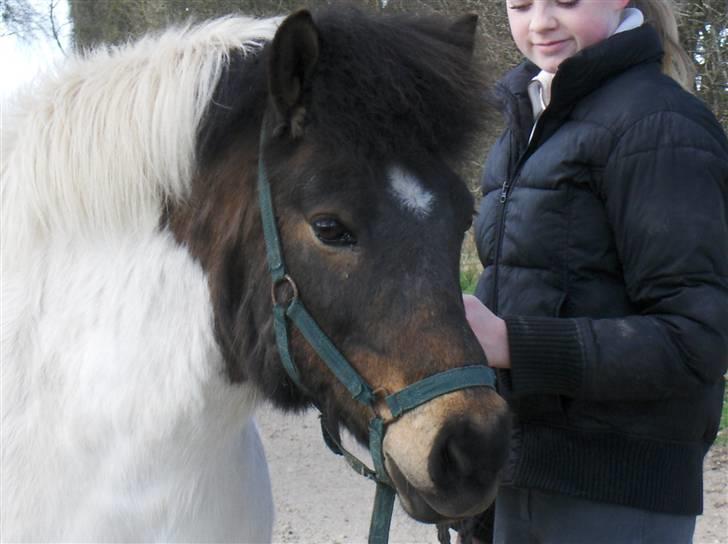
(490, 330)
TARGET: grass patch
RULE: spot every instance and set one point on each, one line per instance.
(469, 279)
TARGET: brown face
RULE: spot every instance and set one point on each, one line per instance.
(374, 249)
(372, 240)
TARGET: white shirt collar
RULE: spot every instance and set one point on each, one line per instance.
(631, 19)
(539, 91)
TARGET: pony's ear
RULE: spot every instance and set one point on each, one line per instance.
(463, 29)
(293, 58)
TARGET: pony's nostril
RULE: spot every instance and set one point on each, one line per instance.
(457, 456)
(466, 456)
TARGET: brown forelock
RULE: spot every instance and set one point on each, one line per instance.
(414, 87)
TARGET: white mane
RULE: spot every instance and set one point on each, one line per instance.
(96, 144)
(118, 423)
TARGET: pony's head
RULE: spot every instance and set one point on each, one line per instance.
(364, 116)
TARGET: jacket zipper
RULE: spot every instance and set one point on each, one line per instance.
(501, 218)
(506, 188)
(504, 192)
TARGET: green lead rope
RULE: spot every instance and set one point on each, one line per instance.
(399, 403)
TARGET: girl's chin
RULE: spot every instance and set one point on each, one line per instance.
(549, 58)
(549, 65)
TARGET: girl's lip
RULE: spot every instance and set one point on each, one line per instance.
(550, 47)
(549, 44)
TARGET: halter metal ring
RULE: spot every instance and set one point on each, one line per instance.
(379, 407)
(276, 289)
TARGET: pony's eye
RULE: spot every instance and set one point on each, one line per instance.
(331, 231)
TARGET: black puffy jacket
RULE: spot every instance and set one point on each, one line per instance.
(604, 243)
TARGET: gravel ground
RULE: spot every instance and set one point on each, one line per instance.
(319, 499)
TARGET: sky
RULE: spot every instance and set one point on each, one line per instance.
(21, 61)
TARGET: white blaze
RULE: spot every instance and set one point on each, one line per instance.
(410, 192)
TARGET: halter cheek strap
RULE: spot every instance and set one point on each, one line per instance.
(291, 309)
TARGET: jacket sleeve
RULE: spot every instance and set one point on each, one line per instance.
(665, 189)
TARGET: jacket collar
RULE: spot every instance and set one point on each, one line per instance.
(586, 71)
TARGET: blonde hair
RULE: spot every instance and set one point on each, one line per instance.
(676, 63)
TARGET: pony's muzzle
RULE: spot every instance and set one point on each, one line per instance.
(447, 466)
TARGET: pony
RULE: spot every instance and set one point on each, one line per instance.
(137, 328)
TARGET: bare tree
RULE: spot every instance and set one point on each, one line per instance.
(120, 20)
(29, 21)
(21, 19)
(704, 31)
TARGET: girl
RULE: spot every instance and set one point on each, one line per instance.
(603, 232)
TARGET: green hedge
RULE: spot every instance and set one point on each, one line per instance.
(468, 280)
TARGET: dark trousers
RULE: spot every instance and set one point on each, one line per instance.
(527, 516)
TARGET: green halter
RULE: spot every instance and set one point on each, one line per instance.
(398, 403)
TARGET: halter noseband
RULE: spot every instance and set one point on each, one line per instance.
(398, 403)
